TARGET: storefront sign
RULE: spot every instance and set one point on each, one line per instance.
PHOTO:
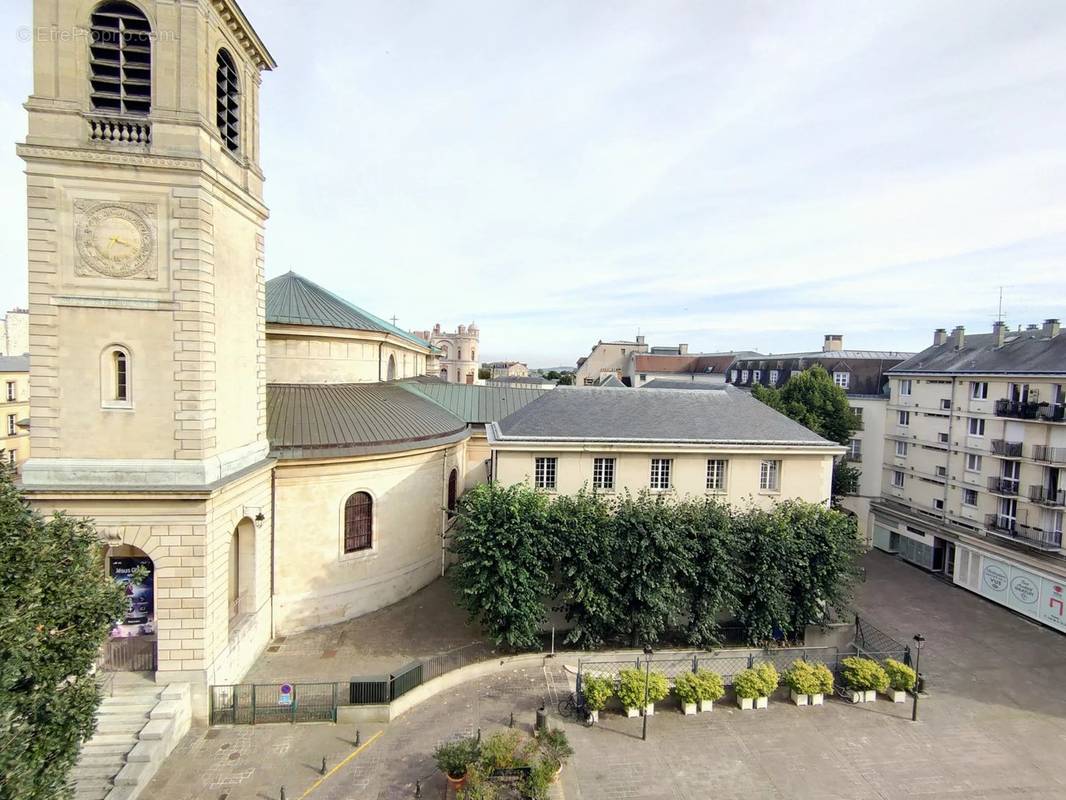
(139, 595)
(1035, 596)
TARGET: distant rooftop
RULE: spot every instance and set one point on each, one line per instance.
(526, 379)
(472, 403)
(673, 383)
(1039, 350)
(14, 363)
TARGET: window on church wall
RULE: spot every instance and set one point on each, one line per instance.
(120, 60)
(453, 491)
(116, 378)
(390, 374)
(227, 101)
(358, 523)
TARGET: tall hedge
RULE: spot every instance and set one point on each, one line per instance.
(641, 569)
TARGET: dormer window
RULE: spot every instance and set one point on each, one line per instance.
(227, 101)
(120, 60)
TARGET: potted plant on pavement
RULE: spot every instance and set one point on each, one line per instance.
(748, 685)
(901, 679)
(864, 678)
(711, 688)
(555, 749)
(824, 677)
(801, 681)
(770, 680)
(455, 757)
(631, 686)
(687, 687)
(598, 691)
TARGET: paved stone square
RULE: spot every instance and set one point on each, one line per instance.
(992, 726)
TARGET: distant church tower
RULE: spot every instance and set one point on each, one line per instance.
(458, 361)
(148, 373)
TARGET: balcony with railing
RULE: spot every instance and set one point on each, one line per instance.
(1047, 497)
(1037, 538)
(1052, 413)
(1050, 455)
(1005, 449)
(1017, 409)
(1003, 486)
(120, 130)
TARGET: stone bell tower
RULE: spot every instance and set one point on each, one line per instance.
(148, 374)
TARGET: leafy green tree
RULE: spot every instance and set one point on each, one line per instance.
(566, 379)
(552, 375)
(654, 561)
(845, 480)
(712, 579)
(56, 608)
(503, 570)
(484, 373)
(584, 544)
(762, 547)
(813, 400)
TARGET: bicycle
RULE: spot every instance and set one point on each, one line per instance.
(575, 706)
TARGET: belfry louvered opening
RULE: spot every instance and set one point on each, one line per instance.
(120, 60)
(227, 101)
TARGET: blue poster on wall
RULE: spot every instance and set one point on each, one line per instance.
(141, 603)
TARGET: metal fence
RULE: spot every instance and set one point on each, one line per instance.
(254, 703)
(871, 641)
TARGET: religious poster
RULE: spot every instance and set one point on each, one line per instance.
(139, 597)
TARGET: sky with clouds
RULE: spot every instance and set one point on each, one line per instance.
(733, 175)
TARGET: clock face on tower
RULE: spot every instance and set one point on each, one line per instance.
(115, 240)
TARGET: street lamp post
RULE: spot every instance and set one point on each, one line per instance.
(647, 685)
(919, 640)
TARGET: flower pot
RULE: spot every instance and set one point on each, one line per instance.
(456, 783)
(706, 705)
(799, 699)
(688, 708)
(595, 715)
(650, 710)
(632, 712)
(856, 695)
(871, 695)
(817, 699)
(746, 703)
(897, 697)
(762, 702)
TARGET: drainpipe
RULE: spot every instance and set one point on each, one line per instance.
(273, 507)
(381, 350)
(951, 443)
(443, 513)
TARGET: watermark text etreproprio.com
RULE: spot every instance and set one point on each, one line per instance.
(27, 33)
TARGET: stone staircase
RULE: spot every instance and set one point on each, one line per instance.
(137, 726)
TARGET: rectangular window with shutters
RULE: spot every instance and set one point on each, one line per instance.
(716, 469)
(603, 474)
(660, 474)
(11, 423)
(544, 473)
(10, 390)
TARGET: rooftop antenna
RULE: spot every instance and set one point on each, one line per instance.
(999, 315)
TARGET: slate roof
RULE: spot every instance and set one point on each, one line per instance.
(1023, 352)
(611, 382)
(595, 414)
(695, 362)
(345, 419)
(291, 299)
(14, 363)
(669, 383)
(527, 379)
(472, 403)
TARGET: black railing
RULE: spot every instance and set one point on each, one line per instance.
(1038, 537)
(254, 703)
(1001, 447)
(1007, 486)
(1056, 413)
(1017, 409)
(1000, 524)
(1052, 455)
(1046, 496)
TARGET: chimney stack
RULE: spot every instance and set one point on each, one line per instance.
(999, 332)
(682, 349)
(1051, 328)
(940, 336)
(1032, 326)
(959, 336)
(834, 343)
(640, 339)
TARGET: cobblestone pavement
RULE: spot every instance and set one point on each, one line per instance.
(992, 726)
(424, 624)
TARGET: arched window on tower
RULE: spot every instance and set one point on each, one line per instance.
(120, 60)
(390, 374)
(116, 377)
(358, 523)
(453, 491)
(227, 100)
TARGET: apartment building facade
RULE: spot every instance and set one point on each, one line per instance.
(974, 473)
(15, 434)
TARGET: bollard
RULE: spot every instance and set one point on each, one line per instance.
(510, 724)
(323, 770)
(418, 788)
(356, 737)
(282, 793)
(479, 735)
(542, 720)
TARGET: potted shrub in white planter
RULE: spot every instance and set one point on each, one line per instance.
(687, 689)
(824, 677)
(711, 688)
(801, 682)
(864, 678)
(631, 690)
(901, 679)
(598, 691)
(748, 686)
(770, 679)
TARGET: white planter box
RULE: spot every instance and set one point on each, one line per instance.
(688, 708)
(799, 699)
(706, 705)
(871, 695)
(897, 697)
(762, 702)
(650, 710)
(632, 712)
(818, 699)
(856, 695)
(595, 716)
(745, 703)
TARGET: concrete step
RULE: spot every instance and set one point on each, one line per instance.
(126, 740)
(93, 758)
(96, 749)
(121, 719)
(90, 772)
(92, 790)
(120, 725)
(127, 705)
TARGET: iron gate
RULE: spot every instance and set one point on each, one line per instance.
(254, 703)
(129, 654)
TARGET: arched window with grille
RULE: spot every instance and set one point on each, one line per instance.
(358, 523)
(227, 100)
(453, 491)
(120, 60)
